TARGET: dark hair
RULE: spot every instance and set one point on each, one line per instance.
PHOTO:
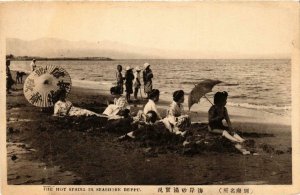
(59, 94)
(177, 95)
(220, 97)
(119, 66)
(124, 112)
(116, 90)
(153, 93)
(153, 116)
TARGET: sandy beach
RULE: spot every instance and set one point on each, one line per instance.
(42, 149)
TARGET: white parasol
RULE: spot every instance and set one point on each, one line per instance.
(42, 85)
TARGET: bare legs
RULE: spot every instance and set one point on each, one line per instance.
(235, 138)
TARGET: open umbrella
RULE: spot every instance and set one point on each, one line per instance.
(200, 90)
(42, 85)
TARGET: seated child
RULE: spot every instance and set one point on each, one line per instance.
(150, 106)
(148, 119)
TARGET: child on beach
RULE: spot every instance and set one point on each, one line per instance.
(128, 82)
(141, 125)
(176, 120)
(33, 65)
(137, 81)
(120, 80)
(150, 106)
(9, 79)
(65, 108)
(147, 77)
(216, 114)
(147, 117)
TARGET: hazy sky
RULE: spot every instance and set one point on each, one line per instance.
(240, 29)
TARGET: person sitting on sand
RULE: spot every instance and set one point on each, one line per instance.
(216, 114)
(176, 120)
(65, 108)
(120, 109)
(147, 119)
(150, 106)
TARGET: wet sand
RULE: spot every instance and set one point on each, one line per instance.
(42, 149)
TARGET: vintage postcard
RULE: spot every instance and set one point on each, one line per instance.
(150, 98)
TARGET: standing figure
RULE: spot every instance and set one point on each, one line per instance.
(33, 65)
(9, 80)
(120, 80)
(137, 81)
(128, 82)
(147, 77)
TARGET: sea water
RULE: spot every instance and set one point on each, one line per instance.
(261, 84)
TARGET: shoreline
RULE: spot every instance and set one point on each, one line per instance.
(280, 109)
(64, 148)
(237, 114)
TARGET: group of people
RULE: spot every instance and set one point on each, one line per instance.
(175, 121)
(132, 81)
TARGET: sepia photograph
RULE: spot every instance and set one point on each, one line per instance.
(149, 97)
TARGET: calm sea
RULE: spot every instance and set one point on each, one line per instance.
(254, 84)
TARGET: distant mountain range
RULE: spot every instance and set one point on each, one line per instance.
(58, 48)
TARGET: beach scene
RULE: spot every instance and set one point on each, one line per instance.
(206, 111)
(267, 124)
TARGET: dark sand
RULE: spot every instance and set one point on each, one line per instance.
(42, 149)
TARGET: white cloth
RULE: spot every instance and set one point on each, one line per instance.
(175, 109)
(169, 123)
(113, 109)
(150, 106)
(137, 79)
(32, 66)
(67, 109)
(62, 108)
(175, 118)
